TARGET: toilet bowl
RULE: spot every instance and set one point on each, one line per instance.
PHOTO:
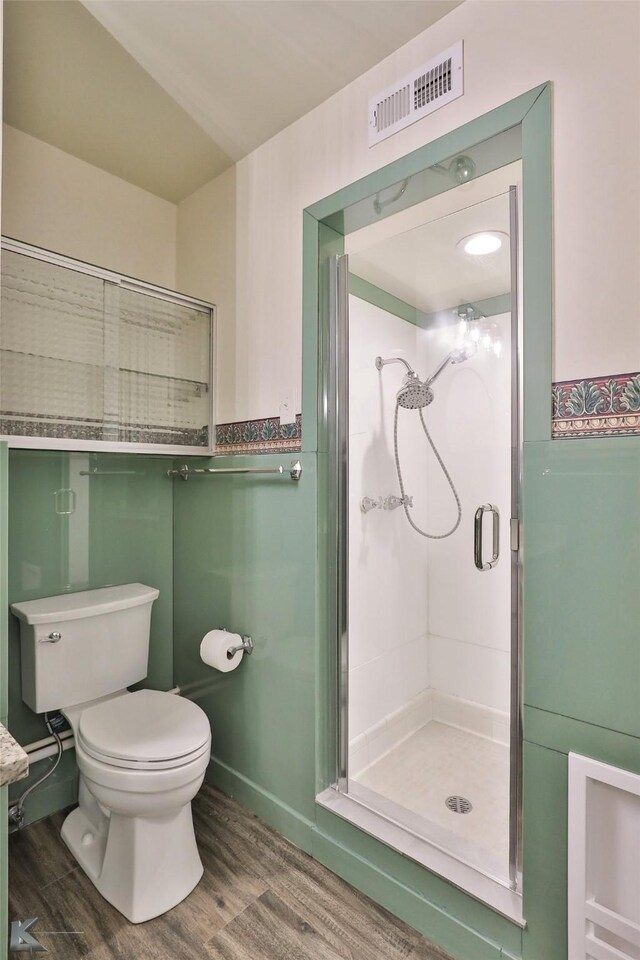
(142, 758)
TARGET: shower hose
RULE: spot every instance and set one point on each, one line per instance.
(405, 506)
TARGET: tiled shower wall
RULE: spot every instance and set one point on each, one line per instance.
(469, 610)
(388, 612)
(426, 628)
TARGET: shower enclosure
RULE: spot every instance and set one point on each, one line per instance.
(427, 439)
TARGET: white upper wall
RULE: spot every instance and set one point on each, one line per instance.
(53, 200)
(206, 268)
(590, 52)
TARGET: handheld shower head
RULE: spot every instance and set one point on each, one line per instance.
(460, 354)
(457, 355)
(414, 394)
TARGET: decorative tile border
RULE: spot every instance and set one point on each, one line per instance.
(599, 407)
(259, 436)
(18, 424)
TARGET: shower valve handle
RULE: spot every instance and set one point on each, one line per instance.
(368, 503)
(392, 502)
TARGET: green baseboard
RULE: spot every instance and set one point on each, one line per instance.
(282, 818)
(428, 918)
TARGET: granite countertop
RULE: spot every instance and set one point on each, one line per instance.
(14, 763)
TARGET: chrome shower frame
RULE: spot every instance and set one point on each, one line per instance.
(337, 406)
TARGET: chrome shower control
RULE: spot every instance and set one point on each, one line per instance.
(392, 502)
(368, 503)
(52, 638)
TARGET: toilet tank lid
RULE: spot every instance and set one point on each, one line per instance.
(88, 603)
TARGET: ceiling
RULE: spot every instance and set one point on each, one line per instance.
(415, 256)
(168, 93)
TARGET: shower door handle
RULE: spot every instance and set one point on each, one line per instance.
(477, 537)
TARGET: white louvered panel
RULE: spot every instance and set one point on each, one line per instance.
(603, 861)
(427, 88)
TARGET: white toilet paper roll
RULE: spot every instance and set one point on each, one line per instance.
(213, 650)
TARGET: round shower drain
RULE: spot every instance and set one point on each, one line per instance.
(459, 804)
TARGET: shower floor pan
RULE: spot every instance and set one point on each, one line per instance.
(401, 800)
(437, 762)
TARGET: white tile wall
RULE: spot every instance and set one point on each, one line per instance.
(470, 670)
(469, 610)
(387, 734)
(422, 619)
(388, 654)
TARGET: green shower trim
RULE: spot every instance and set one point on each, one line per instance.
(377, 297)
(323, 224)
(531, 112)
(330, 210)
(432, 917)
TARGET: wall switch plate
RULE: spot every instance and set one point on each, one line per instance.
(287, 406)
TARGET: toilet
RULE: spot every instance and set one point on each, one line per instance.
(142, 755)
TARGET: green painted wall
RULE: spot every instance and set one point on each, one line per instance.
(582, 658)
(245, 551)
(246, 557)
(121, 531)
(583, 551)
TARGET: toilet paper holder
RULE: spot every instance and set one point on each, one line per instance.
(246, 646)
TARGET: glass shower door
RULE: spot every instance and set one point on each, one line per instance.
(430, 465)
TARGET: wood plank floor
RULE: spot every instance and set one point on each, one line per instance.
(260, 898)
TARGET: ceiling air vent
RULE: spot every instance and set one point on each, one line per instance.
(423, 91)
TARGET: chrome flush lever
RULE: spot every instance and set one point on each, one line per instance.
(52, 638)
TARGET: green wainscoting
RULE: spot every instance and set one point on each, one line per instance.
(115, 527)
(245, 549)
(582, 601)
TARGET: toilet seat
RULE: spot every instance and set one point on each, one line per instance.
(146, 730)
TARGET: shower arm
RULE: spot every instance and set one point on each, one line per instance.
(380, 363)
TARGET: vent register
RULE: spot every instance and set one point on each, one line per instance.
(420, 93)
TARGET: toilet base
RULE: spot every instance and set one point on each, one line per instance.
(143, 866)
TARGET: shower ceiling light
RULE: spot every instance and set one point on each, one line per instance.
(480, 244)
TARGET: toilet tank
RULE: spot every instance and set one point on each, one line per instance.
(81, 646)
